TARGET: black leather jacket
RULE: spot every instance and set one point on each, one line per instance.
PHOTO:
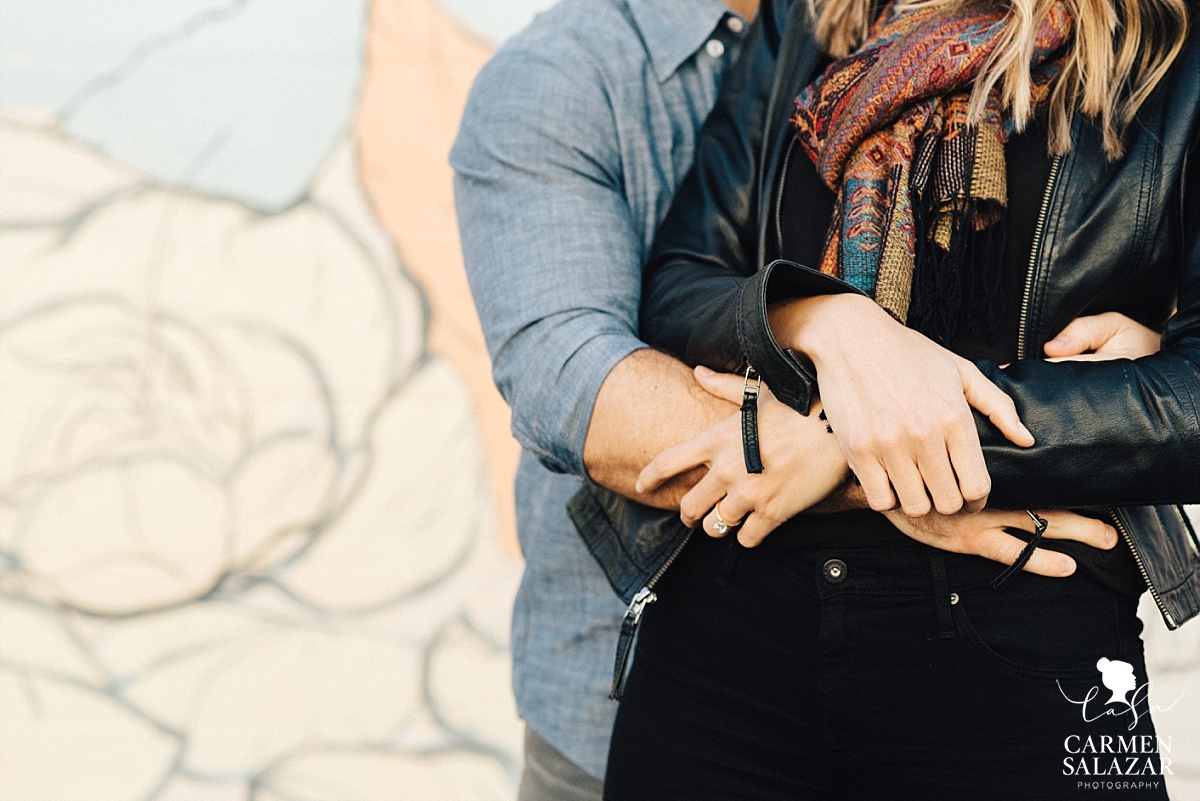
(1121, 236)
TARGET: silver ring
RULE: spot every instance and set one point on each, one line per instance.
(722, 525)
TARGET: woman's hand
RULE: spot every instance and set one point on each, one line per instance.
(802, 464)
(983, 534)
(899, 404)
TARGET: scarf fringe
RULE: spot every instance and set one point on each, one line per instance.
(958, 292)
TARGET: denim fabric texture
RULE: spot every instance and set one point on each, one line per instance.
(575, 137)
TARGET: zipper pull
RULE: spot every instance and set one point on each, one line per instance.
(629, 627)
(750, 388)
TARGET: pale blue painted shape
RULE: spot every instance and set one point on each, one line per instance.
(51, 49)
(241, 99)
(495, 20)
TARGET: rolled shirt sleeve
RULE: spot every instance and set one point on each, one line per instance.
(551, 252)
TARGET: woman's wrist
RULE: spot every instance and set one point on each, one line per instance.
(810, 325)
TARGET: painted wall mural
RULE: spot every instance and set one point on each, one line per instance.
(248, 544)
(255, 484)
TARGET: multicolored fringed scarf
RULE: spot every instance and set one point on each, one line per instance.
(887, 130)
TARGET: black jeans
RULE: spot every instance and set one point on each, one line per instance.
(879, 674)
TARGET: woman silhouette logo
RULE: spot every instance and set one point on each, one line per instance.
(1118, 677)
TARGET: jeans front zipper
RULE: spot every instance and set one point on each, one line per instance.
(633, 618)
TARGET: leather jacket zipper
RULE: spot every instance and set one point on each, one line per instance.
(1035, 254)
(1137, 557)
(633, 618)
(787, 158)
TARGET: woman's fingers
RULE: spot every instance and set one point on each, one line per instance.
(994, 404)
(966, 458)
(697, 505)
(726, 386)
(731, 510)
(675, 461)
(1064, 525)
(909, 486)
(755, 529)
(874, 481)
(941, 481)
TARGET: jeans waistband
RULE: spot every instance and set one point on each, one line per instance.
(911, 569)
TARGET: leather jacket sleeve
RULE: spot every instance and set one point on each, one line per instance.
(1118, 432)
(1108, 433)
(703, 299)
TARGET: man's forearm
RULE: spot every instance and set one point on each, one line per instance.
(649, 402)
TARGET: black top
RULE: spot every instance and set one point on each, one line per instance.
(802, 218)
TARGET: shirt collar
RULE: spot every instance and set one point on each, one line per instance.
(673, 30)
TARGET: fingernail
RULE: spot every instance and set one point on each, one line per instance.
(1056, 341)
(702, 370)
(1066, 565)
(639, 487)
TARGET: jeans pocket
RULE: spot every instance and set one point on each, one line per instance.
(1042, 627)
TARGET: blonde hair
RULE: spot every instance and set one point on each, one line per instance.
(1119, 51)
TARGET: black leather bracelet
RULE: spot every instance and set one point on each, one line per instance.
(750, 449)
(1039, 528)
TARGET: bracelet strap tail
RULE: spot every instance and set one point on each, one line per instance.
(750, 422)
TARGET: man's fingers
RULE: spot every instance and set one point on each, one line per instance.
(1064, 525)
(726, 386)
(1050, 563)
(673, 462)
(1083, 334)
(1006, 549)
(994, 404)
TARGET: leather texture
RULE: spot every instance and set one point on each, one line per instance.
(750, 452)
(1117, 236)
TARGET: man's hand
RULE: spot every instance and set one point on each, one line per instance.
(801, 459)
(900, 405)
(647, 403)
(1103, 336)
(983, 534)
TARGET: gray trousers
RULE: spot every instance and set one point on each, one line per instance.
(550, 776)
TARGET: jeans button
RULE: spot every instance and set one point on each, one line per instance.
(834, 571)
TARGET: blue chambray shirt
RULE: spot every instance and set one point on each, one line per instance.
(575, 137)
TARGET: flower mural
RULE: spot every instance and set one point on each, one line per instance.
(247, 547)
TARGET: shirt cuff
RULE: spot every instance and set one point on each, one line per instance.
(588, 369)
